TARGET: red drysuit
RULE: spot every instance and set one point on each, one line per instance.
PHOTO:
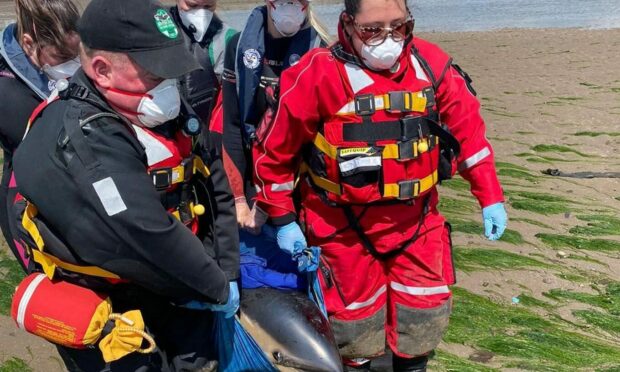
(364, 145)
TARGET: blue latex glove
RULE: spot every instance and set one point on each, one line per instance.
(291, 239)
(495, 220)
(229, 308)
(308, 260)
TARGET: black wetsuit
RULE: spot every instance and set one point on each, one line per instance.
(92, 189)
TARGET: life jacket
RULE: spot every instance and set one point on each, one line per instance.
(384, 144)
(254, 76)
(172, 166)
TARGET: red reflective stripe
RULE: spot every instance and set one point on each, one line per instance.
(132, 94)
(37, 111)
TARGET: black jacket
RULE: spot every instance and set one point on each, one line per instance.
(85, 170)
(22, 88)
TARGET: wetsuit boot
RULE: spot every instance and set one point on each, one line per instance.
(357, 368)
(417, 364)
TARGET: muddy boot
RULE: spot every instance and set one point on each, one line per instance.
(357, 368)
(417, 364)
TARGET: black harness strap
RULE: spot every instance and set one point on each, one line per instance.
(355, 225)
(403, 129)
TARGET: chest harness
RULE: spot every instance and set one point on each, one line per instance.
(172, 165)
(385, 145)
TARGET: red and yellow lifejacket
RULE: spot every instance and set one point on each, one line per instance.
(172, 165)
(382, 145)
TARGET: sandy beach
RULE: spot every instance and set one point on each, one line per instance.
(547, 296)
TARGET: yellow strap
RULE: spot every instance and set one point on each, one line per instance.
(201, 167)
(50, 263)
(324, 183)
(419, 147)
(426, 183)
(389, 151)
(414, 101)
(328, 149)
(30, 226)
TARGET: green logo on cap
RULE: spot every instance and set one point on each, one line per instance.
(165, 24)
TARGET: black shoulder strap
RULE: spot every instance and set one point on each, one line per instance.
(435, 80)
(355, 225)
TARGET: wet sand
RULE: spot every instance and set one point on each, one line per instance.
(538, 89)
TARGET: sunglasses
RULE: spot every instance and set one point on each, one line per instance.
(375, 35)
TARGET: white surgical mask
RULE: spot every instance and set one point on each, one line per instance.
(288, 16)
(197, 20)
(62, 71)
(383, 56)
(160, 104)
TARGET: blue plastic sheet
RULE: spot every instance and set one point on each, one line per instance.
(237, 350)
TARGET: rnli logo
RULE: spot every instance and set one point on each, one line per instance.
(293, 59)
(251, 58)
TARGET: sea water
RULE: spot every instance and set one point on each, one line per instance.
(485, 15)
(465, 15)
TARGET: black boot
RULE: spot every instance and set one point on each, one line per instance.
(417, 364)
(361, 368)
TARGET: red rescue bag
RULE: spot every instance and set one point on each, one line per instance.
(74, 316)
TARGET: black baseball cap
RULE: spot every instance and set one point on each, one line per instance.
(143, 29)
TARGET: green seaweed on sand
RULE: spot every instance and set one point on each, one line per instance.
(563, 241)
(560, 149)
(529, 301)
(597, 225)
(530, 221)
(14, 365)
(528, 339)
(456, 184)
(450, 205)
(607, 299)
(476, 228)
(473, 259)
(442, 361)
(596, 134)
(11, 274)
(606, 322)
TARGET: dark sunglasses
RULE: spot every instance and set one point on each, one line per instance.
(375, 35)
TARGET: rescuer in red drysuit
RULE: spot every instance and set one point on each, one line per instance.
(371, 125)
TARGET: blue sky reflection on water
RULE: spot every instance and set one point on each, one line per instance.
(484, 15)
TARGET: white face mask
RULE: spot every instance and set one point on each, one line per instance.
(160, 104)
(384, 56)
(62, 71)
(197, 20)
(288, 16)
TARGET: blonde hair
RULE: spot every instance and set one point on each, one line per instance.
(47, 22)
(320, 28)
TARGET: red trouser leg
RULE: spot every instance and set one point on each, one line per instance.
(355, 291)
(404, 299)
(419, 300)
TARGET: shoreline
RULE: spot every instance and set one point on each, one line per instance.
(551, 99)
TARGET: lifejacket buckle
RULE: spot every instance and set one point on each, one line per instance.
(162, 178)
(365, 104)
(429, 93)
(407, 150)
(399, 102)
(408, 189)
